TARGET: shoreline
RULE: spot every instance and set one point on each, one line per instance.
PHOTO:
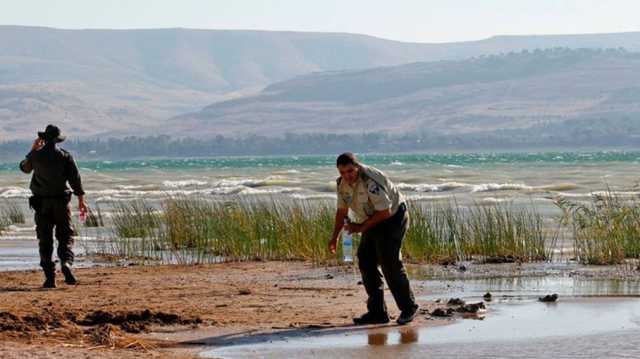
(153, 311)
(218, 298)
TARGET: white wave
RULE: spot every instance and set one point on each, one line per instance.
(15, 192)
(492, 200)
(491, 187)
(426, 197)
(314, 196)
(16, 229)
(275, 190)
(252, 182)
(425, 187)
(396, 163)
(586, 195)
(184, 183)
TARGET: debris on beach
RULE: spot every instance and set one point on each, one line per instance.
(135, 321)
(442, 312)
(549, 298)
(487, 297)
(471, 308)
(500, 259)
(244, 291)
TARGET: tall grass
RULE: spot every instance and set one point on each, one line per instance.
(445, 233)
(606, 230)
(186, 230)
(10, 213)
(94, 218)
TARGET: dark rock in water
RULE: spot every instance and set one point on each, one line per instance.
(550, 298)
(487, 297)
(471, 308)
(500, 259)
(455, 301)
(462, 268)
(328, 276)
(442, 312)
(447, 261)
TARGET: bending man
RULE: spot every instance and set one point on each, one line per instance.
(382, 218)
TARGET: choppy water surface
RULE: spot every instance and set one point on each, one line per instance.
(592, 319)
(486, 177)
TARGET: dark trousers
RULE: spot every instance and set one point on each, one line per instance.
(380, 246)
(50, 213)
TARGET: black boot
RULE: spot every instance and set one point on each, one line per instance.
(50, 281)
(371, 318)
(68, 274)
(406, 316)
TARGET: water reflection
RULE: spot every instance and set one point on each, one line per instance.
(409, 336)
(378, 338)
(406, 336)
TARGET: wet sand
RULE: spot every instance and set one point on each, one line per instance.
(594, 324)
(222, 298)
(183, 311)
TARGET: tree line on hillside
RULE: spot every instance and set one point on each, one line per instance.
(623, 131)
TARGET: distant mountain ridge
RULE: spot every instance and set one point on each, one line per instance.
(124, 82)
(491, 93)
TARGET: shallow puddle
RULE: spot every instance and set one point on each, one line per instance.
(592, 319)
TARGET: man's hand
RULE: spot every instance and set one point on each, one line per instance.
(37, 144)
(82, 206)
(333, 245)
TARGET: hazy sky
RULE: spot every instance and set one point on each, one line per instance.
(406, 20)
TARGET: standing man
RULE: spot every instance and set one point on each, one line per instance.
(381, 216)
(52, 168)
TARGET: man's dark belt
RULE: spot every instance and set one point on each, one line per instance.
(36, 200)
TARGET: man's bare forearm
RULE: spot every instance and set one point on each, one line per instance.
(339, 222)
(377, 217)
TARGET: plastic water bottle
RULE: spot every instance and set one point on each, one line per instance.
(347, 244)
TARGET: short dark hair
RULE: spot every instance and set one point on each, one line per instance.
(346, 158)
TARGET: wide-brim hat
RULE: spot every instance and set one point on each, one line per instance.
(52, 133)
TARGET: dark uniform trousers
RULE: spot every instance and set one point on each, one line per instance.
(54, 212)
(381, 246)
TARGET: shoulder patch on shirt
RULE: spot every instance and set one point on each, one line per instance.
(374, 188)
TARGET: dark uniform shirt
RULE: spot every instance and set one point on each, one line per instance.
(52, 168)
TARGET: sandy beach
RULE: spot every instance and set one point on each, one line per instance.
(109, 312)
(176, 311)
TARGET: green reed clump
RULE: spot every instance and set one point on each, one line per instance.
(193, 230)
(606, 230)
(445, 233)
(11, 213)
(501, 231)
(247, 230)
(433, 235)
(135, 219)
(94, 219)
(4, 223)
